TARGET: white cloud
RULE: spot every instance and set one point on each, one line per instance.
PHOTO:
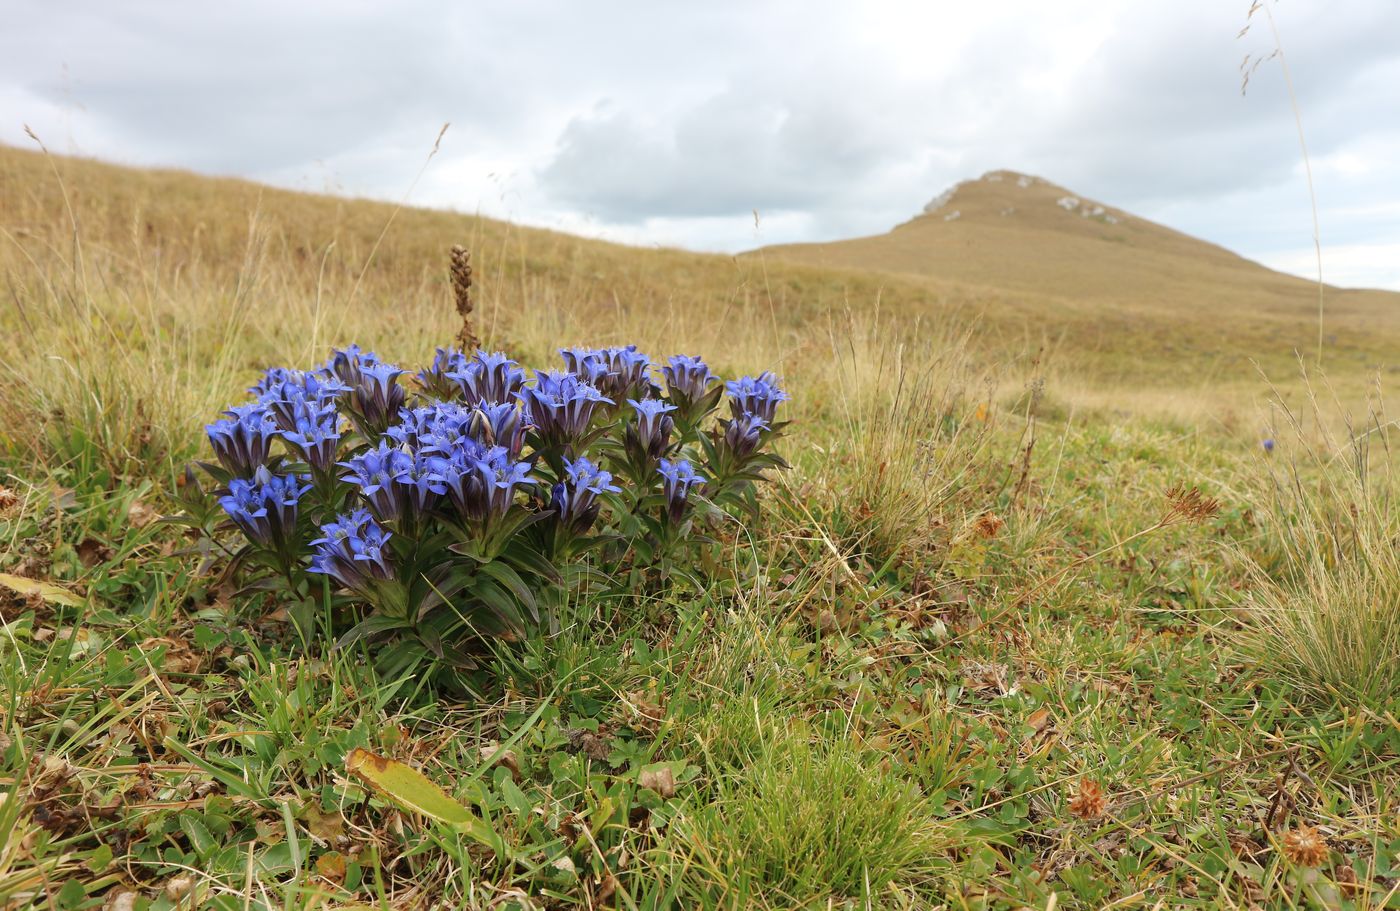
(671, 123)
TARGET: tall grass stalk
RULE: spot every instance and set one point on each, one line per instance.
(1325, 610)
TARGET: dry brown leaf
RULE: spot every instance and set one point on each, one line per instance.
(1038, 720)
(492, 752)
(331, 865)
(140, 515)
(326, 826)
(662, 781)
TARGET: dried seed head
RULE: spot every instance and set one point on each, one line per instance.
(1089, 803)
(1305, 846)
(460, 271)
(1190, 505)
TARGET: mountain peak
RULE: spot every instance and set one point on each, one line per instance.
(1005, 193)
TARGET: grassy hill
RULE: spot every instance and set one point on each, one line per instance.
(1141, 289)
(1127, 316)
(1019, 628)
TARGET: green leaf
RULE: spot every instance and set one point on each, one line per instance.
(414, 791)
(511, 580)
(198, 833)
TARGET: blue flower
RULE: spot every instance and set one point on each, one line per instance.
(743, 435)
(241, 441)
(377, 397)
(315, 434)
(272, 377)
(346, 364)
(650, 434)
(502, 424)
(351, 550)
(436, 378)
(285, 392)
(374, 472)
(616, 372)
(575, 498)
(561, 406)
(687, 379)
(481, 484)
(758, 395)
(1268, 445)
(677, 478)
(489, 377)
(431, 428)
(588, 364)
(265, 508)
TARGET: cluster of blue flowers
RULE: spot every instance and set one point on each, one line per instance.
(498, 464)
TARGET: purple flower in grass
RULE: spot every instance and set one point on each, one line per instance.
(677, 478)
(588, 364)
(575, 498)
(265, 507)
(273, 377)
(502, 424)
(743, 435)
(242, 440)
(346, 364)
(436, 378)
(377, 397)
(489, 377)
(374, 472)
(561, 406)
(758, 395)
(687, 379)
(650, 433)
(352, 551)
(431, 428)
(314, 434)
(290, 391)
(481, 484)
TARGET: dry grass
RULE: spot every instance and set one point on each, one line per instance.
(1326, 604)
(137, 299)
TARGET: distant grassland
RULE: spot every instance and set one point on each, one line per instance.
(1033, 621)
(137, 299)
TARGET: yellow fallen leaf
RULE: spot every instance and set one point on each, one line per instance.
(51, 593)
(414, 791)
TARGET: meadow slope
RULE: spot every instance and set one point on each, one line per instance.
(1033, 620)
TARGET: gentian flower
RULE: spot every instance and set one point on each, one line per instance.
(435, 378)
(687, 379)
(265, 508)
(374, 472)
(627, 372)
(677, 478)
(489, 377)
(431, 428)
(481, 484)
(501, 424)
(758, 395)
(273, 376)
(575, 498)
(351, 550)
(346, 364)
(588, 364)
(377, 397)
(650, 434)
(286, 392)
(241, 441)
(562, 406)
(314, 434)
(743, 436)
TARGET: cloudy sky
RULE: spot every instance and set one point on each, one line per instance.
(673, 123)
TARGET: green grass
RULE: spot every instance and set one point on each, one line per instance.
(888, 696)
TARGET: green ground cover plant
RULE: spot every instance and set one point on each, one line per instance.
(982, 645)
